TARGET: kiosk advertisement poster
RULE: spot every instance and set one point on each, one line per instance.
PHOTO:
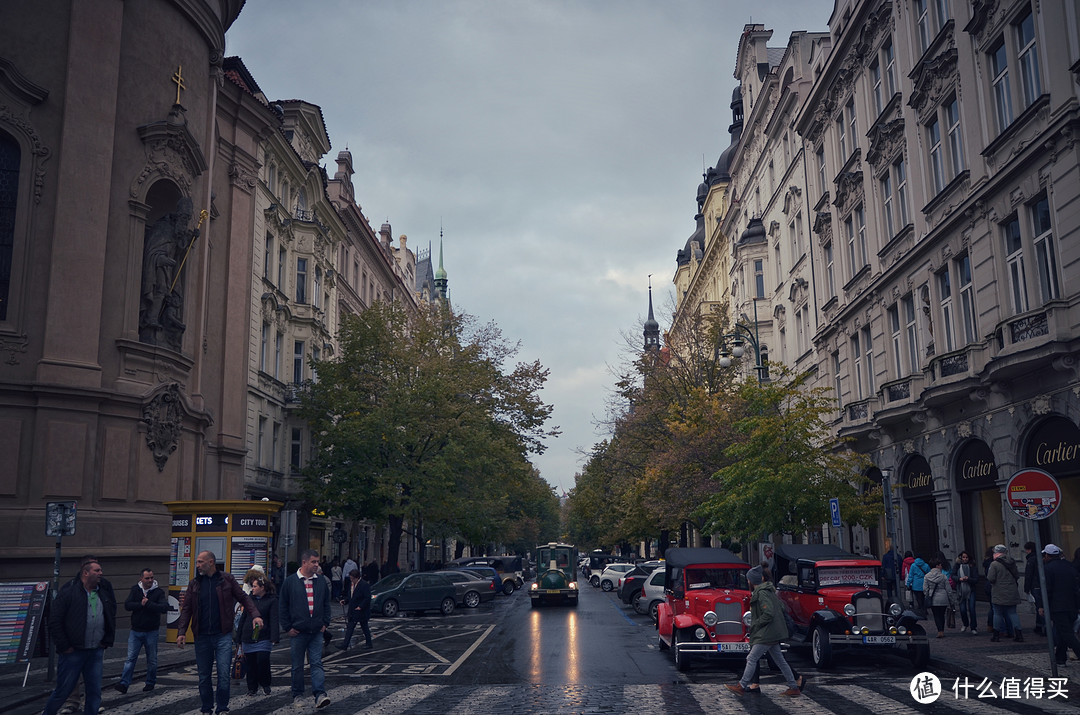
(22, 605)
(247, 551)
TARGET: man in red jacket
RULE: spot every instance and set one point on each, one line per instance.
(208, 606)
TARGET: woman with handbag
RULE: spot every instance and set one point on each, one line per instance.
(939, 594)
(256, 643)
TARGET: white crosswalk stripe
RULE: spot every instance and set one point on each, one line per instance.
(488, 699)
(402, 700)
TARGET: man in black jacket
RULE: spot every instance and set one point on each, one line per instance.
(147, 602)
(82, 624)
(1063, 592)
(359, 609)
(1031, 582)
(304, 608)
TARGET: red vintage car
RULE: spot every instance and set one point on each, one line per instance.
(706, 597)
(836, 603)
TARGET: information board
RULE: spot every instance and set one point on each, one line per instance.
(247, 551)
(22, 605)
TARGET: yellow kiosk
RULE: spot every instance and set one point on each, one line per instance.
(238, 533)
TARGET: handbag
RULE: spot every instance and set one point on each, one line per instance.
(950, 617)
(239, 663)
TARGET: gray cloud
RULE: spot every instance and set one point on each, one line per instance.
(559, 143)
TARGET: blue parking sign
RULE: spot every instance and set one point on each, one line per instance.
(834, 511)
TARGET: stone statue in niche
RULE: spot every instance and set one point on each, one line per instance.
(161, 308)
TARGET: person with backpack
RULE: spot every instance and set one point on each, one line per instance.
(767, 628)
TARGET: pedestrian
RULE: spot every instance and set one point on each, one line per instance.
(327, 635)
(767, 629)
(358, 606)
(208, 607)
(305, 615)
(1003, 575)
(939, 593)
(347, 568)
(371, 572)
(916, 573)
(755, 682)
(1063, 593)
(76, 702)
(277, 572)
(905, 568)
(82, 624)
(255, 642)
(888, 574)
(335, 580)
(147, 602)
(1031, 582)
(987, 588)
(966, 574)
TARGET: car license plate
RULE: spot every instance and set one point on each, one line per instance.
(879, 639)
(552, 590)
(733, 647)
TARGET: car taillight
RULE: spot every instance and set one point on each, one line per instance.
(620, 583)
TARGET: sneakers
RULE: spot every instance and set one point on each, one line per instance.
(148, 687)
(120, 688)
(252, 693)
(737, 688)
(791, 693)
(974, 631)
(964, 629)
(266, 689)
(322, 700)
(298, 702)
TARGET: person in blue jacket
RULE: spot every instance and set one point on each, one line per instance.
(915, 576)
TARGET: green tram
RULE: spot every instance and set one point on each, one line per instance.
(556, 574)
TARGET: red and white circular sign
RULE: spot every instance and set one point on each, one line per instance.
(1033, 494)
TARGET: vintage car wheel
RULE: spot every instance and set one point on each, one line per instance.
(638, 602)
(471, 599)
(390, 608)
(654, 611)
(821, 648)
(682, 660)
(594, 581)
(919, 654)
(607, 585)
(508, 587)
(447, 606)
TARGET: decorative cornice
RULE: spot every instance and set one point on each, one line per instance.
(932, 79)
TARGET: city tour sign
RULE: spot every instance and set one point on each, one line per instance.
(1033, 494)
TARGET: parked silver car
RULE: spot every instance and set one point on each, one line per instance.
(651, 594)
(609, 580)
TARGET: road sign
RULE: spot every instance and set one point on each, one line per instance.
(834, 510)
(60, 518)
(1033, 494)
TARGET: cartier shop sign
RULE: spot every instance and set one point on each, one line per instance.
(1054, 447)
(975, 467)
(916, 478)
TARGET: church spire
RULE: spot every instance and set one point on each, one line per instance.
(652, 328)
(440, 275)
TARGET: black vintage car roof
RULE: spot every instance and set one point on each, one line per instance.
(682, 557)
(814, 552)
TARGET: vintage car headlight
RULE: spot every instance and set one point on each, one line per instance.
(849, 609)
(700, 633)
(746, 619)
(710, 618)
(573, 585)
(893, 630)
(902, 631)
(895, 610)
(534, 587)
(865, 630)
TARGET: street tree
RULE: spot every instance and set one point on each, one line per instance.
(413, 412)
(786, 463)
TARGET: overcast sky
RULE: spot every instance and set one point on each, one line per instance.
(558, 143)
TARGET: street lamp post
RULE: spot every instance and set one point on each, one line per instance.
(740, 334)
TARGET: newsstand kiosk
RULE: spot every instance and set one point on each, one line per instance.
(238, 533)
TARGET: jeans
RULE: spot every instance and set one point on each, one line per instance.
(258, 670)
(86, 662)
(967, 610)
(757, 652)
(351, 627)
(210, 650)
(1003, 613)
(136, 641)
(312, 645)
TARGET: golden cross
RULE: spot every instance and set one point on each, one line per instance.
(179, 80)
